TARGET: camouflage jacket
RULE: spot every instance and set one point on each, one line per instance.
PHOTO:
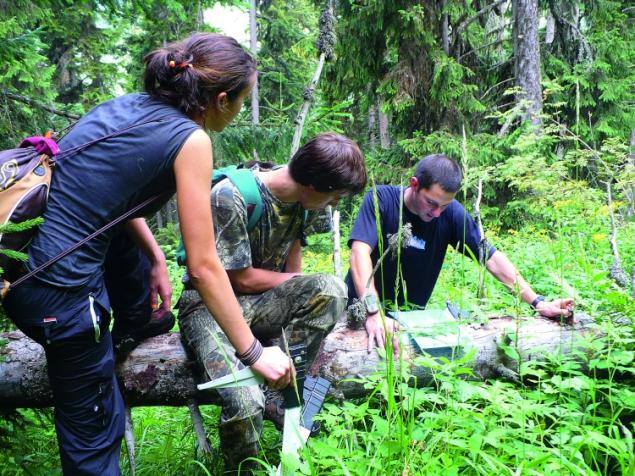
(267, 246)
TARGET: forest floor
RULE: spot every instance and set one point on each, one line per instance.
(567, 417)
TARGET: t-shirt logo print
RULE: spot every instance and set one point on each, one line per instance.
(416, 242)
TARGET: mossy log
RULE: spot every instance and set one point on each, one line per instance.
(159, 371)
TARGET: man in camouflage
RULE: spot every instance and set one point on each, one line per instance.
(263, 266)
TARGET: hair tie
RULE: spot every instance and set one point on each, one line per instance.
(180, 67)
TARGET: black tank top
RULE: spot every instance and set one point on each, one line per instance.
(97, 185)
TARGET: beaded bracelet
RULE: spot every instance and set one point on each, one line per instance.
(251, 355)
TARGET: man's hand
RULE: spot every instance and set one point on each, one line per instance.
(377, 330)
(160, 285)
(556, 308)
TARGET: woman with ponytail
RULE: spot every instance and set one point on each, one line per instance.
(141, 145)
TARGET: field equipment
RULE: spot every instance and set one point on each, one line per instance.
(300, 407)
(433, 331)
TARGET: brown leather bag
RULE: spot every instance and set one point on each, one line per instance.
(25, 178)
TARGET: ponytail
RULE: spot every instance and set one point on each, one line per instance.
(189, 74)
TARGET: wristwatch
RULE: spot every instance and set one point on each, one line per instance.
(371, 303)
(535, 302)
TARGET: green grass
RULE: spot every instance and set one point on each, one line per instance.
(571, 415)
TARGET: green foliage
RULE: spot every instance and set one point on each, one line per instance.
(16, 228)
(572, 413)
(286, 59)
(596, 92)
(544, 204)
(24, 69)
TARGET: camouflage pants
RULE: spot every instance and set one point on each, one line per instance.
(305, 305)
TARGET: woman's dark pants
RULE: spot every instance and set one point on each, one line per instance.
(73, 327)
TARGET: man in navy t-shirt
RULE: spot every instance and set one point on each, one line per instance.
(437, 220)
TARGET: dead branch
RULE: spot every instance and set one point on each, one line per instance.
(44, 107)
(474, 50)
(463, 25)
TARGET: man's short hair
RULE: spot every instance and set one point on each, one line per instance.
(329, 162)
(439, 169)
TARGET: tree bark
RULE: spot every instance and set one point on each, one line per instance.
(372, 126)
(617, 273)
(527, 59)
(630, 191)
(253, 45)
(550, 29)
(337, 252)
(158, 219)
(343, 357)
(129, 439)
(159, 372)
(325, 44)
(445, 29)
(384, 127)
(304, 109)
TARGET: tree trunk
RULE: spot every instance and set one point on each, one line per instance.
(343, 357)
(158, 219)
(616, 272)
(337, 252)
(372, 125)
(325, 44)
(527, 59)
(304, 109)
(384, 127)
(630, 191)
(253, 44)
(159, 372)
(170, 212)
(550, 29)
(445, 29)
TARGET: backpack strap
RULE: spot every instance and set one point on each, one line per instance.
(104, 228)
(51, 146)
(69, 152)
(245, 181)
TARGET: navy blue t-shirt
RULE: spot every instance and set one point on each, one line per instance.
(423, 257)
(97, 185)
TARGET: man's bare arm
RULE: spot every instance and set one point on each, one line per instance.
(503, 269)
(255, 280)
(294, 260)
(361, 266)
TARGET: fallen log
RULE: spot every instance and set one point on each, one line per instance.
(159, 371)
(343, 357)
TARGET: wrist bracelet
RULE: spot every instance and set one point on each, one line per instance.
(251, 355)
(535, 302)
